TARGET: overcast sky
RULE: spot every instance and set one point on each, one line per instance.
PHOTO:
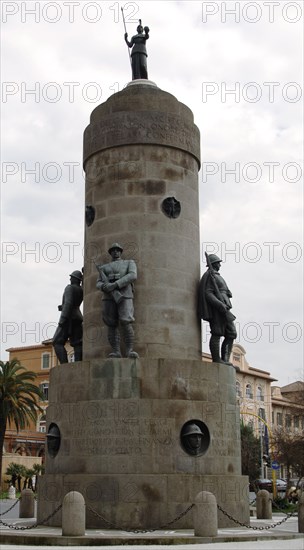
(237, 65)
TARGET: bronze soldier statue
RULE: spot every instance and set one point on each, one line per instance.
(70, 321)
(116, 282)
(215, 307)
(139, 53)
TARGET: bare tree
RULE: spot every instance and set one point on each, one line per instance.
(289, 449)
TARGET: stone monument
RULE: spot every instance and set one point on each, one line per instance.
(139, 438)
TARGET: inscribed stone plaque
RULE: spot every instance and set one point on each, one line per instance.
(147, 128)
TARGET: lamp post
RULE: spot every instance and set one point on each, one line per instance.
(261, 448)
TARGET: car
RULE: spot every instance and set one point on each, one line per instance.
(265, 484)
(281, 485)
(262, 484)
(268, 485)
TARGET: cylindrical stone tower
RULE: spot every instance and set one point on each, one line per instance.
(141, 158)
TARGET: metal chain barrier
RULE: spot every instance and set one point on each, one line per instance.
(110, 524)
(34, 525)
(115, 526)
(265, 528)
(9, 509)
(138, 531)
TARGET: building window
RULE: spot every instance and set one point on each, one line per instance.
(44, 387)
(272, 417)
(279, 419)
(296, 422)
(238, 389)
(262, 414)
(260, 396)
(45, 361)
(42, 424)
(249, 391)
(288, 421)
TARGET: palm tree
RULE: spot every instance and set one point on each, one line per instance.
(18, 398)
(14, 470)
(28, 474)
(38, 471)
(23, 475)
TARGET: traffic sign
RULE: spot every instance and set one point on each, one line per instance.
(275, 465)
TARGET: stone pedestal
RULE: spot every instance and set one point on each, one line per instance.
(264, 505)
(73, 515)
(121, 445)
(27, 504)
(11, 492)
(205, 515)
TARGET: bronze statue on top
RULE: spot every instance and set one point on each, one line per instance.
(214, 306)
(139, 53)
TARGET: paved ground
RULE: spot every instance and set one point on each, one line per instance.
(254, 545)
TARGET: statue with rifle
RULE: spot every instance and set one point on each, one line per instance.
(215, 307)
(116, 280)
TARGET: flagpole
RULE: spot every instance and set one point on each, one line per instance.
(123, 18)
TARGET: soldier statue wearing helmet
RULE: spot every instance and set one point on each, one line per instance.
(192, 438)
(139, 53)
(116, 282)
(214, 306)
(70, 321)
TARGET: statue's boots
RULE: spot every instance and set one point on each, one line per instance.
(129, 340)
(214, 346)
(61, 353)
(114, 341)
(78, 353)
(226, 350)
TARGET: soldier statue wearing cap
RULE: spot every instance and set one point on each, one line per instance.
(214, 306)
(116, 282)
(70, 321)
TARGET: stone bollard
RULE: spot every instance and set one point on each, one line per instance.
(205, 515)
(11, 494)
(301, 512)
(73, 515)
(27, 504)
(263, 505)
